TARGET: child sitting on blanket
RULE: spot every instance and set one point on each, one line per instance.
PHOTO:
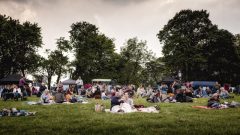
(214, 101)
(46, 97)
(69, 94)
(128, 99)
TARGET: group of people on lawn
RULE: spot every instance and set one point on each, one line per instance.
(175, 92)
(59, 96)
(13, 91)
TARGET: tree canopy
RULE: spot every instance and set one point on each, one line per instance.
(197, 48)
(18, 46)
(93, 50)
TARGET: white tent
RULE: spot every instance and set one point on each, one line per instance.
(101, 80)
(69, 82)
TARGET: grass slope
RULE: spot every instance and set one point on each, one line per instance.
(178, 118)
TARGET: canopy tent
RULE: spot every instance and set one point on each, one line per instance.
(101, 80)
(69, 82)
(196, 84)
(13, 79)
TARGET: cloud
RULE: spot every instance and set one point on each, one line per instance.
(123, 2)
(118, 19)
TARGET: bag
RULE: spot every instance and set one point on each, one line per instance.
(99, 108)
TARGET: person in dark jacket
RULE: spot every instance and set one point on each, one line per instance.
(115, 100)
(41, 89)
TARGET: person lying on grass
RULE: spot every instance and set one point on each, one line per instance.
(15, 112)
(214, 102)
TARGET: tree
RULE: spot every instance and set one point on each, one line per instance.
(19, 44)
(183, 37)
(223, 58)
(61, 59)
(49, 65)
(196, 47)
(134, 55)
(154, 71)
(237, 43)
(93, 51)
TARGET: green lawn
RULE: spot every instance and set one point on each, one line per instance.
(174, 118)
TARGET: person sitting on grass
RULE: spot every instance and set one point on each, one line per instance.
(154, 97)
(164, 88)
(41, 89)
(224, 93)
(69, 94)
(104, 96)
(182, 97)
(46, 97)
(127, 99)
(149, 91)
(97, 92)
(209, 92)
(214, 101)
(141, 91)
(115, 99)
(198, 93)
(59, 96)
(170, 97)
(17, 92)
(7, 93)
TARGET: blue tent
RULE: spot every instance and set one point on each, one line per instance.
(196, 84)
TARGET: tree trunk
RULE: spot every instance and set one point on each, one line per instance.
(23, 72)
(59, 76)
(49, 81)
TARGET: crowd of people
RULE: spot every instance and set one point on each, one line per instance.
(119, 94)
(16, 92)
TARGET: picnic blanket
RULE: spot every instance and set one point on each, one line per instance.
(202, 107)
(78, 99)
(52, 103)
(225, 105)
(126, 108)
(209, 108)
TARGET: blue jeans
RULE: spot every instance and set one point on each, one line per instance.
(105, 97)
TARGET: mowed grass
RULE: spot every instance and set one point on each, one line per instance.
(174, 118)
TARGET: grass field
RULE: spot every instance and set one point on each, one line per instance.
(174, 118)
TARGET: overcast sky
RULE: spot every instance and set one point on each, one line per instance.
(118, 19)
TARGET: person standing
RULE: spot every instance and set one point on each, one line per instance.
(21, 84)
(79, 83)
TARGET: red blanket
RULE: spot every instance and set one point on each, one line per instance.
(202, 107)
(205, 107)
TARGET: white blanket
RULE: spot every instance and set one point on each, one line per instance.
(126, 108)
